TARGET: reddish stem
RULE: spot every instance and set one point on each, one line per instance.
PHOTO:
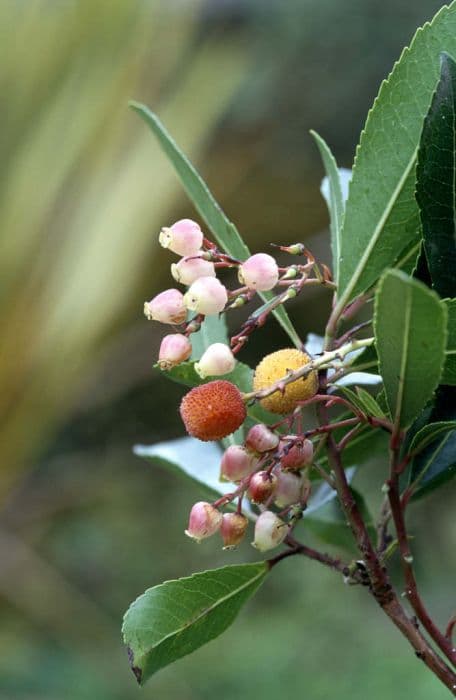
(411, 589)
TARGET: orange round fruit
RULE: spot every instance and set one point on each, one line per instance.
(213, 410)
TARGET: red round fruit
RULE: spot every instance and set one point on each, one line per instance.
(213, 410)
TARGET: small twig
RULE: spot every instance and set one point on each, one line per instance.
(450, 628)
(383, 539)
(411, 588)
(323, 361)
(347, 437)
(296, 547)
(349, 334)
(324, 474)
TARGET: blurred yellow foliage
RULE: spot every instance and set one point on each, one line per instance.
(83, 188)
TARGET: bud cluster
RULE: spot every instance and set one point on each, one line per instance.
(268, 469)
(206, 295)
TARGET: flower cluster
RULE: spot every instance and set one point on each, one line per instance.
(205, 295)
(268, 469)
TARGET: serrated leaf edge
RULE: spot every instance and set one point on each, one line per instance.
(406, 278)
(345, 296)
(144, 651)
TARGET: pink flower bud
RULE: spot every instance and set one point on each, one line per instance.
(261, 486)
(166, 307)
(259, 272)
(187, 270)
(174, 349)
(217, 360)
(204, 521)
(298, 456)
(236, 463)
(261, 439)
(233, 529)
(207, 296)
(289, 488)
(270, 531)
(184, 237)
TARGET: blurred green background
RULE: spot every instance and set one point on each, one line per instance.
(84, 525)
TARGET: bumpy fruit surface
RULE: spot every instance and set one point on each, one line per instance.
(213, 410)
(276, 366)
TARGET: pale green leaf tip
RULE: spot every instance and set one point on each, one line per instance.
(133, 104)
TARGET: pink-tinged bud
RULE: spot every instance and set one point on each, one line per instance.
(236, 463)
(261, 439)
(259, 272)
(204, 521)
(188, 270)
(233, 528)
(174, 349)
(270, 531)
(261, 487)
(166, 307)
(289, 488)
(184, 237)
(207, 296)
(217, 360)
(298, 456)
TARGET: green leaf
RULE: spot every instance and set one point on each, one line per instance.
(373, 408)
(336, 201)
(224, 231)
(436, 464)
(195, 460)
(330, 525)
(435, 182)
(449, 369)
(324, 494)
(213, 330)
(177, 617)
(381, 214)
(365, 444)
(407, 260)
(410, 331)
(364, 401)
(367, 360)
(429, 434)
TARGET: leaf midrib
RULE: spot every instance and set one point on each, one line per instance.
(435, 453)
(204, 612)
(377, 232)
(403, 367)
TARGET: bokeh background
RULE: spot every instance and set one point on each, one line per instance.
(85, 526)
